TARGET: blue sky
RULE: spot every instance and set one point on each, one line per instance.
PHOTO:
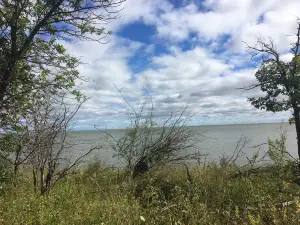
(182, 51)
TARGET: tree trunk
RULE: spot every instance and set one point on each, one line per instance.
(34, 180)
(17, 160)
(42, 181)
(49, 180)
(141, 167)
(297, 124)
(5, 78)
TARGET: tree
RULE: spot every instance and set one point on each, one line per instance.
(30, 55)
(147, 144)
(49, 125)
(32, 59)
(40, 141)
(278, 79)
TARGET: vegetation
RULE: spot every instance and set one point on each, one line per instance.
(147, 144)
(279, 80)
(215, 193)
(39, 185)
(37, 75)
(103, 196)
(30, 55)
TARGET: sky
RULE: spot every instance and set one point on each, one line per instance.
(181, 52)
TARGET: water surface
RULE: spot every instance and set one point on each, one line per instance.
(215, 141)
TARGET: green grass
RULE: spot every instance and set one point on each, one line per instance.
(103, 196)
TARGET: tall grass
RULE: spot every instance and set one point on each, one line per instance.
(97, 195)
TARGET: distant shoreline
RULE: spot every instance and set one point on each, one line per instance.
(230, 124)
(208, 125)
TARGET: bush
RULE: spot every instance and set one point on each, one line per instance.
(6, 176)
(148, 144)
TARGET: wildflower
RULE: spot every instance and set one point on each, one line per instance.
(297, 206)
(142, 218)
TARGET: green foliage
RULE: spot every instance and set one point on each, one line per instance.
(291, 120)
(104, 196)
(277, 150)
(34, 64)
(277, 79)
(8, 146)
(32, 57)
(9, 143)
(6, 176)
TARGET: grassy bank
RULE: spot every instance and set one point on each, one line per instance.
(103, 196)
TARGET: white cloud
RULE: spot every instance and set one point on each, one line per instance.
(279, 24)
(194, 77)
(240, 19)
(207, 74)
(140, 11)
(105, 68)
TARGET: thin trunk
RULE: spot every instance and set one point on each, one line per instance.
(48, 180)
(189, 177)
(34, 180)
(297, 125)
(42, 182)
(5, 80)
(17, 160)
(16, 169)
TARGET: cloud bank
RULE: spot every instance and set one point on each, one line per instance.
(182, 51)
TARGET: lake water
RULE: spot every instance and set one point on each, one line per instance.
(216, 141)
